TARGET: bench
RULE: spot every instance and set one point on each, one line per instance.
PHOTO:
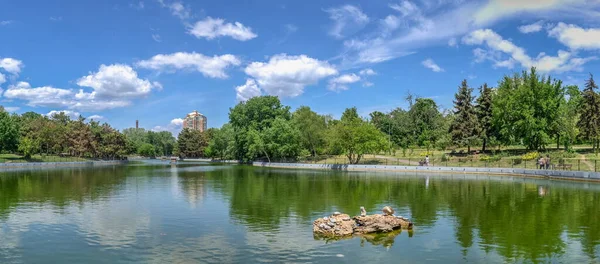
(564, 166)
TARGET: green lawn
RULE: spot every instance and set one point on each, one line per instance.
(13, 158)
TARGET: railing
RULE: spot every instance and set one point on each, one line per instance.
(452, 161)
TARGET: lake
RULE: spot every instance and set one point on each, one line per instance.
(203, 213)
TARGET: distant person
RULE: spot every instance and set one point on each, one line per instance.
(427, 160)
(541, 163)
(547, 161)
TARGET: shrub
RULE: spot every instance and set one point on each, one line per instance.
(531, 156)
(517, 161)
(444, 158)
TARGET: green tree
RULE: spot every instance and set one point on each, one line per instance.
(29, 146)
(191, 143)
(568, 118)
(355, 137)
(250, 119)
(312, 127)
(426, 120)
(464, 128)
(147, 150)
(484, 114)
(525, 109)
(589, 121)
(9, 131)
(221, 144)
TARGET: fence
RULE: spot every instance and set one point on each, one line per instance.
(467, 161)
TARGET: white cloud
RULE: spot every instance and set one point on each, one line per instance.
(2, 79)
(11, 65)
(179, 10)
(211, 28)
(6, 22)
(347, 19)
(59, 18)
(496, 9)
(116, 81)
(286, 76)
(367, 84)
(413, 25)
(430, 64)
(532, 28)
(452, 42)
(564, 61)
(248, 90)
(576, 37)
(174, 127)
(156, 37)
(340, 83)
(367, 72)
(177, 122)
(213, 67)
(46, 96)
(96, 117)
(71, 114)
(11, 109)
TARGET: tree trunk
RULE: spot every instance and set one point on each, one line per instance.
(558, 141)
(484, 144)
(468, 148)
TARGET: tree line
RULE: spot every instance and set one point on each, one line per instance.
(525, 108)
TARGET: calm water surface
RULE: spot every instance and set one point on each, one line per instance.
(190, 213)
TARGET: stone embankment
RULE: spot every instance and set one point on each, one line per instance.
(557, 174)
(341, 225)
(28, 165)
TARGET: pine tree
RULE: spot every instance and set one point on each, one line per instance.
(464, 128)
(484, 114)
(589, 122)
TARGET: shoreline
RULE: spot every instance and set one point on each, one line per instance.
(28, 165)
(527, 173)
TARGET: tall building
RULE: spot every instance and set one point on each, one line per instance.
(195, 120)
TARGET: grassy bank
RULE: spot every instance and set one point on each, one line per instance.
(14, 158)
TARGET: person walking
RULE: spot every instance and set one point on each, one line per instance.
(547, 162)
(541, 163)
(427, 160)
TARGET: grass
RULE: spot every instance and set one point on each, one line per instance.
(582, 158)
(14, 158)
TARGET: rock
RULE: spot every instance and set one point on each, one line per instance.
(363, 212)
(388, 211)
(342, 225)
(342, 228)
(379, 223)
(336, 213)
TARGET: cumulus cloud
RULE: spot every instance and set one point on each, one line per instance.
(211, 28)
(11, 65)
(213, 67)
(576, 37)
(430, 64)
(112, 86)
(248, 90)
(287, 76)
(174, 126)
(347, 19)
(341, 83)
(117, 81)
(2, 80)
(71, 114)
(499, 47)
(46, 96)
(532, 28)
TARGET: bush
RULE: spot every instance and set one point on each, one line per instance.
(517, 161)
(530, 156)
(445, 158)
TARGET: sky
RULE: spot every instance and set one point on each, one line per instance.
(118, 61)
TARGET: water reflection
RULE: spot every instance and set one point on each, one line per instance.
(237, 213)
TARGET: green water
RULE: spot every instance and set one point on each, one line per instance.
(199, 213)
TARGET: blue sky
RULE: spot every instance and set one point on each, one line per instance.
(155, 61)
